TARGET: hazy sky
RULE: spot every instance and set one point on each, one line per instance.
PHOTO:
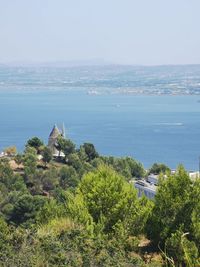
(119, 31)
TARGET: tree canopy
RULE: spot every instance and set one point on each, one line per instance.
(35, 142)
(110, 200)
(171, 224)
(158, 168)
(83, 210)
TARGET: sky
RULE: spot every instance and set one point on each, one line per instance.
(136, 32)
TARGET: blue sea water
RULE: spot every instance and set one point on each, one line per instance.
(149, 128)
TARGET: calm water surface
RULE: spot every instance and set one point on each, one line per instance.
(149, 128)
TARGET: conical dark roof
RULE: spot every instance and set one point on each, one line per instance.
(55, 132)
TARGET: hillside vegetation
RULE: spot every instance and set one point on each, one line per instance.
(81, 210)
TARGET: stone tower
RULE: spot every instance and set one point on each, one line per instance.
(55, 133)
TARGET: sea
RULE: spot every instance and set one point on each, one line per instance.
(149, 113)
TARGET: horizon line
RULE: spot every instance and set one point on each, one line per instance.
(85, 63)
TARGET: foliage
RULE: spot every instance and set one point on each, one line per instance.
(181, 251)
(6, 174)
(158, 168)
(11, 186)
(46, 155)
(4, 239)
(89, 151)
(68, 177)
(35, 142)
(18, 159)
(110, 201)
(128, 167)
(196, 223)
(51, 209)
(25, 209)
(81, 211)
(49, 179)
(170, 205)
(174, 214)
(75, 161)
(30, 162)
(65, 145)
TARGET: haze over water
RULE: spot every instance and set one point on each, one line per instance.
(98, 105)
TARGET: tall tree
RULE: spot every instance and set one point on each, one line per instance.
(174, 216)
(170, 204)
(158, 168)
(90, 151)
(47, 155)
(111, 201)
(30, 164)
(36, 143)
(65, 145)
(19, 159)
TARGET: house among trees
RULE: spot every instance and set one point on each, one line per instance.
(53, 138)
